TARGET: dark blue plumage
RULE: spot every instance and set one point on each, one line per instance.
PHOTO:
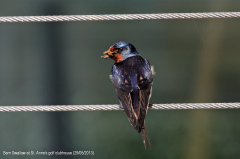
(132, 80)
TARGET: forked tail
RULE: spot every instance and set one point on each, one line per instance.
(144, 132)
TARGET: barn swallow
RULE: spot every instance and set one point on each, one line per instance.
(132, 79)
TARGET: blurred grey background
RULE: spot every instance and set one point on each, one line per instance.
(59, 63)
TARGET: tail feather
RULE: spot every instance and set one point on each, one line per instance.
(143, 136)
(144, 133)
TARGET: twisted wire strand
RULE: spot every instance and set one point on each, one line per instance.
(61, 18)
(109, 107)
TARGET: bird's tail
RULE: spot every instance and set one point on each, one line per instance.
(144, 133)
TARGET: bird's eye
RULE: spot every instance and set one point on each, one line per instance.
(120, 48)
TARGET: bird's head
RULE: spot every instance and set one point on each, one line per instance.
(120, 51)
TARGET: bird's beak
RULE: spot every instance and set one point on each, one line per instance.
(111, 52)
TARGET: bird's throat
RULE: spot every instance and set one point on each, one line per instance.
(117, 58)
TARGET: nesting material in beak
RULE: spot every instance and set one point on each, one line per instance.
(110, 53)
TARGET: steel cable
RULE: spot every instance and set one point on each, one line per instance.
(110, 107)
(61, 18)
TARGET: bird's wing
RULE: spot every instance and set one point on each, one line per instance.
(144, 81)
(124, 90)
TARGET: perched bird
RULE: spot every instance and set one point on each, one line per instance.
(132, 79)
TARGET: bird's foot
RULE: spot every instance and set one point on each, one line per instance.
(120, 106)
(150, 105)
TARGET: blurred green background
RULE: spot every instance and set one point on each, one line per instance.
(59, 63)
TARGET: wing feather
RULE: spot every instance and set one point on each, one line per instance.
(136, 113)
